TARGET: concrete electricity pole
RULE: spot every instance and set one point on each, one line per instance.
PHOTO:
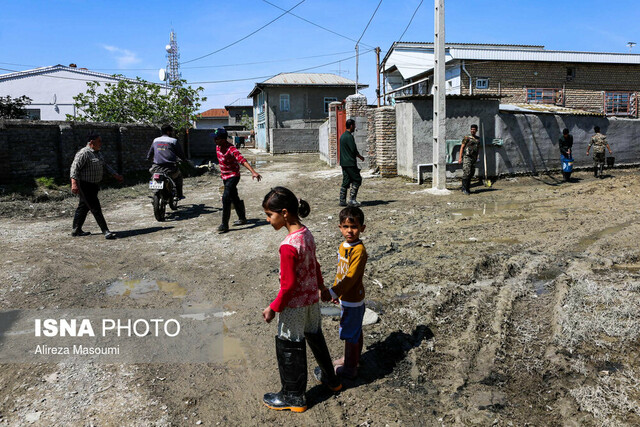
(439, 105)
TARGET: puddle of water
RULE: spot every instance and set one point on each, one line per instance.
(540, 287)
(232, 349)
(589, 240)
(259, 163)
(137, 289)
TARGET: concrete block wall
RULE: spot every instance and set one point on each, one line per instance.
(385, 129)
(371, 139)
(323, 142)
(584, 91)
(293, 140)
(30, 149)
(333, 137)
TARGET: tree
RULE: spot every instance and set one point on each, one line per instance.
(13, 108)
(246, 121)
(139, 101)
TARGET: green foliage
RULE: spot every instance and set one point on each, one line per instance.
(45, 181)
(246, 121)
(139, 102)
(13, 108)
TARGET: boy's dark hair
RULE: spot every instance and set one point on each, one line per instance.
(166, 129)
(352, 213)
(596, 129)
(93, 136)
(565, 131)
(350, 122)
(474, 126)
(280, 198)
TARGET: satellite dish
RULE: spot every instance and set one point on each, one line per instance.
(168, 48)
(162, 74)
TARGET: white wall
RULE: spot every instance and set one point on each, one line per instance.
(42, 88)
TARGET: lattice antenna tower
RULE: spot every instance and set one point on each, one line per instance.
(173, 59)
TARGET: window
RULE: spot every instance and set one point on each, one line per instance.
(482, 83)
(238, 117)
(284, 102)
(544, 96)
(32, 113)
(619, 103)
(571, 74)
(328, 100)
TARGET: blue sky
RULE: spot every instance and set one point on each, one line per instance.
(128, 37)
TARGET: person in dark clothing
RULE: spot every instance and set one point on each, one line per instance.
(86, 173)
(565, 144)
(350, 172)
(165, 152)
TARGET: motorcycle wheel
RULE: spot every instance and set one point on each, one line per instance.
(173, 201)
(159, 207)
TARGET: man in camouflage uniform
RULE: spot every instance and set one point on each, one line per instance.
(599, 142)
(468, 156)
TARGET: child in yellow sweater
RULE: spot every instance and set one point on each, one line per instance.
(349, 290)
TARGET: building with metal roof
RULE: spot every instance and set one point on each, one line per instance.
(296, 101)
(52, 88)
(599, 82)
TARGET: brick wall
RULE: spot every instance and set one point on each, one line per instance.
(584, 91)
(385, 129)
(31, 149)
(371, 138)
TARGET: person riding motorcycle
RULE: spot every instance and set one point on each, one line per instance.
(166, 151)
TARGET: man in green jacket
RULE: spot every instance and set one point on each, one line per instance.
(350, 172)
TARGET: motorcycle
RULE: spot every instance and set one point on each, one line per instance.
(165, 193)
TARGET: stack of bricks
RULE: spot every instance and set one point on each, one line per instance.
(386, 152)
(371, 138)
(356, 106)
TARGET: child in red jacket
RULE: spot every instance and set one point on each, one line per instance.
(297, 304)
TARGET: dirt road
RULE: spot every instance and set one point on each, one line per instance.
(516, 305)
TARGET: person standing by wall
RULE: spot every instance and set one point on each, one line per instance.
(565, 144)
(599, 141)
(350, 172)
(468, 156)
(86, 173)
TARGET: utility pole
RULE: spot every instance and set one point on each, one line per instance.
(357, 57)
(378, 74)
(439, 169)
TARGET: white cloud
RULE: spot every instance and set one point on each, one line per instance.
(124, 57)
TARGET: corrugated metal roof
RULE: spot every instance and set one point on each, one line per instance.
(215, 112)
(546, 108)
(309, 79)
(55, 68)
(241, 102)
(417, 58)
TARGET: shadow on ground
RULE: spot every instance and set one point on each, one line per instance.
(376, 202)
(140, 231)
(190, 212)
(378, 361)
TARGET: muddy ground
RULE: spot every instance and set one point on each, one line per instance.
(517, 305)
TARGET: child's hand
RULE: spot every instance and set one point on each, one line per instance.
(268, 314)
(335, 300)
(325, 295)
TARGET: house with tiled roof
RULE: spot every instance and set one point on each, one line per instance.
(599, 82)
(212, 119)
(52, 88)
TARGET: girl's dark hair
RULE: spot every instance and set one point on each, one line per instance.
(565, 131)
(280, 198)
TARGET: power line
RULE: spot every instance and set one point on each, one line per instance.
(411, 20)
(272, 75)
(371, 19)
(314, 24)
(245, 37)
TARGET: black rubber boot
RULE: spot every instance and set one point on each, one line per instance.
(324, 373)
(601, 170)
(242, 214)
(226, 214)
(465, 186)
(292, 363)
(595, 171)
(343, 196)
(353, 195)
